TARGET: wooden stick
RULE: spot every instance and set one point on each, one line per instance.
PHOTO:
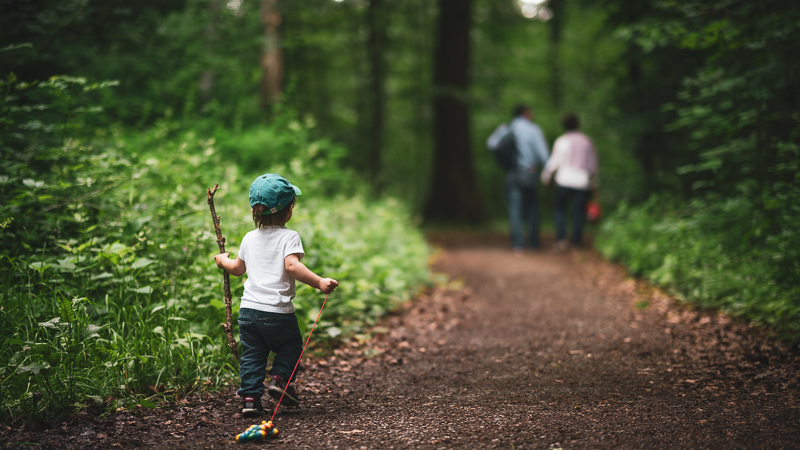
(226, 278)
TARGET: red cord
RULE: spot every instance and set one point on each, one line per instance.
(298, 359)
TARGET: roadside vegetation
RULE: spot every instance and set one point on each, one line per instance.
(722, 230)
(714, 253)
(110, 296)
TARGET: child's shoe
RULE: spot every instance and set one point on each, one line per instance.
(276, 388)
(252, 407)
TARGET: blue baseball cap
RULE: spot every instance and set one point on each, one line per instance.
(272, 191)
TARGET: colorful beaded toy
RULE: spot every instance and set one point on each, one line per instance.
(258, 433)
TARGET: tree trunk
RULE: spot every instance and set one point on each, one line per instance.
(272, 56)
(206, 81)
(453, 196)
(376, 26)
(556, 24)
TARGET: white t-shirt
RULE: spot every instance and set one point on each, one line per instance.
(268, 286)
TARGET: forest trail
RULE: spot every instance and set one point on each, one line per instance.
(536, 350)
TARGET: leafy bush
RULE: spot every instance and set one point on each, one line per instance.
(109, 294)
(717, 253)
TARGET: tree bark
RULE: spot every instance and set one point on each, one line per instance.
(453, 195)
(272, 56)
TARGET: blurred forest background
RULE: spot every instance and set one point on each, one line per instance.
(115, 116)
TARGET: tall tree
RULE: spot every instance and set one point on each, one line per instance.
(453, 195)
(206, 81)
(272, 56)
(376, 27)
(556, 25)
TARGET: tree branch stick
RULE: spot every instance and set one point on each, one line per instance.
(226, 278)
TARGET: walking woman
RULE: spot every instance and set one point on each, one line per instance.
(574, 161)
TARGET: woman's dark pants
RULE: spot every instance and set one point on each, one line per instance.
(579, 198)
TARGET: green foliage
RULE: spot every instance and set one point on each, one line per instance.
(109, 294)
(715, 252)
(731, 240)
(376, 281)
(49, 180)
(739, 85)
(192, 59)
(292, 146)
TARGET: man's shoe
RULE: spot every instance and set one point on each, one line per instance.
(276, 389)
(252, 407)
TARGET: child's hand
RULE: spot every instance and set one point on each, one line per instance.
(327, 285)
(220, 258)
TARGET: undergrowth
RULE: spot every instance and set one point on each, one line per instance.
(109, 295)
(716, 253)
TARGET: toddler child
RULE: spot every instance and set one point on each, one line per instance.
(270, 255)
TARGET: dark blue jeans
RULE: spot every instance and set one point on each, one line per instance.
(260, 333)
(522, 195)
(579, 199)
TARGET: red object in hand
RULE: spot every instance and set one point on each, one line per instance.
(593, 212)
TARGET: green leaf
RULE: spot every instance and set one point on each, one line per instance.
(16, 46)
(91, 331)
(32, 183)
(142, 262)
(116, 248)
(356, 304)
(334, 331)
(39, 266)
(147, 403)
(216, 303)
(66, 264)
(52, 323)
(34, 368)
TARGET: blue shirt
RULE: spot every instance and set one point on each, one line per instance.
(531, 145)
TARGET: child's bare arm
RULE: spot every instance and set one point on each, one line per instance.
(302, 273)
(232, 266)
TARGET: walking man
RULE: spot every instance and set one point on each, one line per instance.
(522, 179)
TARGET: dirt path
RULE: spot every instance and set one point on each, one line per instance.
(538, 350)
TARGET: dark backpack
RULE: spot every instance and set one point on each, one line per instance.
(505, 152)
